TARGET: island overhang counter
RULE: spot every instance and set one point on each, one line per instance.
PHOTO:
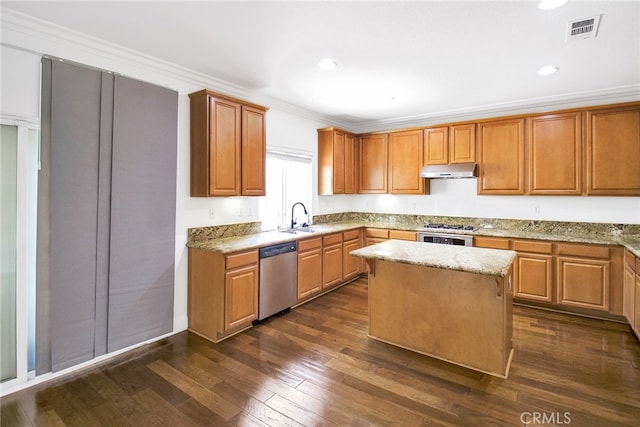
(453, 303)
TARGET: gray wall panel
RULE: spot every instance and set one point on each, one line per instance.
(75, 125)
(43, 323)
(143, 205)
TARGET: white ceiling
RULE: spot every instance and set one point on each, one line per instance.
(395, 59)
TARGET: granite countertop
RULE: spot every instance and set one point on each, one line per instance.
(267, 238)
(556, 232)
(489, 262)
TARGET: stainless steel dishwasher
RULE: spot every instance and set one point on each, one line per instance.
(278, 278)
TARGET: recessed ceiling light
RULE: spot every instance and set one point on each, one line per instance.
(547, 70)
(551, 4)
(327, 64)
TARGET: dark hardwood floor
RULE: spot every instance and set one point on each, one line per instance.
(315, 366)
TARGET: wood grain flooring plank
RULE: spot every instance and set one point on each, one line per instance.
(195, 390)
(151, 402)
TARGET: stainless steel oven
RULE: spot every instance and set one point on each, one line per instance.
(447, 234)
(445, 239)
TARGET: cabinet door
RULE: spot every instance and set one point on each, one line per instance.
(555, 154)
(331, 265)
(309, 272)
(349, 164)
(628, 308)
(462, 143)
(373, 171)
(241, 296)
(501, 157)
(613, 152)
(636, 308)
(436, 146)
(224, 147)
(351, 266)
(534, 277)
(405, 162)
(254, 151)
(583, 282)
(338, 162)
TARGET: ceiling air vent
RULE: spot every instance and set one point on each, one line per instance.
(586, 28)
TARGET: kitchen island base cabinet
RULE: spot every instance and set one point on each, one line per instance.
(460, 317)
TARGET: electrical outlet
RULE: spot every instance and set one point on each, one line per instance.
(240, 212)
(212, 213)
(536, 209)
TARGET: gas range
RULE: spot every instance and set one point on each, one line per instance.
(448, 234)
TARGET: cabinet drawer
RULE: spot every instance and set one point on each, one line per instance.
(530, 246)
(378, 232)
(332, 239)
(351, 235)
(308, 244)
(244, 258)
(590, 251)
(491, 242)
(402, 235)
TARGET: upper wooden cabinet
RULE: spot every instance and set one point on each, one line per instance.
(405, 162)
(613, 151)
(228, 146)
(336, 162)
(450, 144)
(373, 158)
(501, 157)
(555, 154)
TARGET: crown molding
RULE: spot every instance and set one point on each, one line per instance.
(27, 33)
(614, 95)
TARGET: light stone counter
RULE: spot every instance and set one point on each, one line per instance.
(258, 240)
(489, 262)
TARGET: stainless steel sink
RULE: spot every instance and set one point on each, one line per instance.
(298, 230)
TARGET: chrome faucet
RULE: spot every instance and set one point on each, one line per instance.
(293, 221)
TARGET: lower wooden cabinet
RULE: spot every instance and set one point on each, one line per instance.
(636, 316)
(331, 260)
(223, 292)
(568, 276)
(309, 267)
(534, 270)
(351, 266)
(632, 291)
(584, 276)
(241, 295)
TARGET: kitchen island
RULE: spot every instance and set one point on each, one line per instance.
(453, 303)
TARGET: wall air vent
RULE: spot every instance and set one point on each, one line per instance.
(586, 28)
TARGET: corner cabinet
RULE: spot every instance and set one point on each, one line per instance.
(228, 146)
(336, 162)
(223, 292)
(501, 157)
(613, 151)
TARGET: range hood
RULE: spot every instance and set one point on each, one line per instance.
(456, 170)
